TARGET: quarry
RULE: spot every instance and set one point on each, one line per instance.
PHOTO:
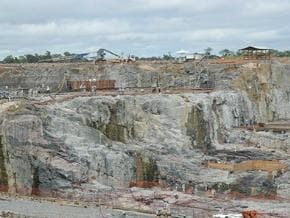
(145, 139)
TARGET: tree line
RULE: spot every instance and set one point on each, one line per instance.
(34, 58)
(48, 56)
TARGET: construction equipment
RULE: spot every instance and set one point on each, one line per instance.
(4, 94)
(101, 54)
(97, 56)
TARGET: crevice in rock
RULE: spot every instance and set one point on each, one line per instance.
(3, 172)
(116, 131)
(147, 173)
(197, 129)
(35, 182)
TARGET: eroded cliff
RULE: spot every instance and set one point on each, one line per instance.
(97, 144)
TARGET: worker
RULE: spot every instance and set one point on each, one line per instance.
(183, 187)
(246, 123)
(82, 87)
(94, 89)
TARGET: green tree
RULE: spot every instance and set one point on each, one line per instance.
(47, 55)
(56, 56)
(22, 59)
(9, 59)
(287, 53)
(239, 53)
(38, 57)
(16, 60)
(167, 56)
(226, 52)
(31, 58)
(208, 51)
(67, 54)
(276, 53)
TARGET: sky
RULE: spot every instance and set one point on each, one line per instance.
(141, 27)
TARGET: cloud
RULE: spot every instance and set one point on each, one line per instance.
(266, 8)
(74, 28)
(142, 27)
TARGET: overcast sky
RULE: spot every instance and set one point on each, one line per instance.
(141, 27)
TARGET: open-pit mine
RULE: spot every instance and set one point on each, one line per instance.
(145, 139)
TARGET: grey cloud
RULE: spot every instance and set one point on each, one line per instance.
(142, 27)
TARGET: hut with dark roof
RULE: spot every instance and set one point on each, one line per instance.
(255, 53)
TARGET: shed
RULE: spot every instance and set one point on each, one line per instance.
(256, 53)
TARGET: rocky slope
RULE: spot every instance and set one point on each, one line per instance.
(139, 74)
(89, 145)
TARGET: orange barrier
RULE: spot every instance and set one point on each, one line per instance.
(250, 214)
(274, 126)
(88, 85)
(221, 166)
(264, 165)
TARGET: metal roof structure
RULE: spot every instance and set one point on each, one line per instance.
(254, 48)
(256, 53)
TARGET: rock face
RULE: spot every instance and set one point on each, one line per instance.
(268, 87)
(139, 74)
(111, 142)
(102, 143)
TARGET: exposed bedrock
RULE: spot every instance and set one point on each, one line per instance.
(102, 143)
(268, 88)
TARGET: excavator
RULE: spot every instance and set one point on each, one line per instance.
(98, 56)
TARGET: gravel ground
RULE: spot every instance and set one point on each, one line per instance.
(42, 208)
(54, 210)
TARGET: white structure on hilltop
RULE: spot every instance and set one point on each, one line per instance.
(183, 55)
